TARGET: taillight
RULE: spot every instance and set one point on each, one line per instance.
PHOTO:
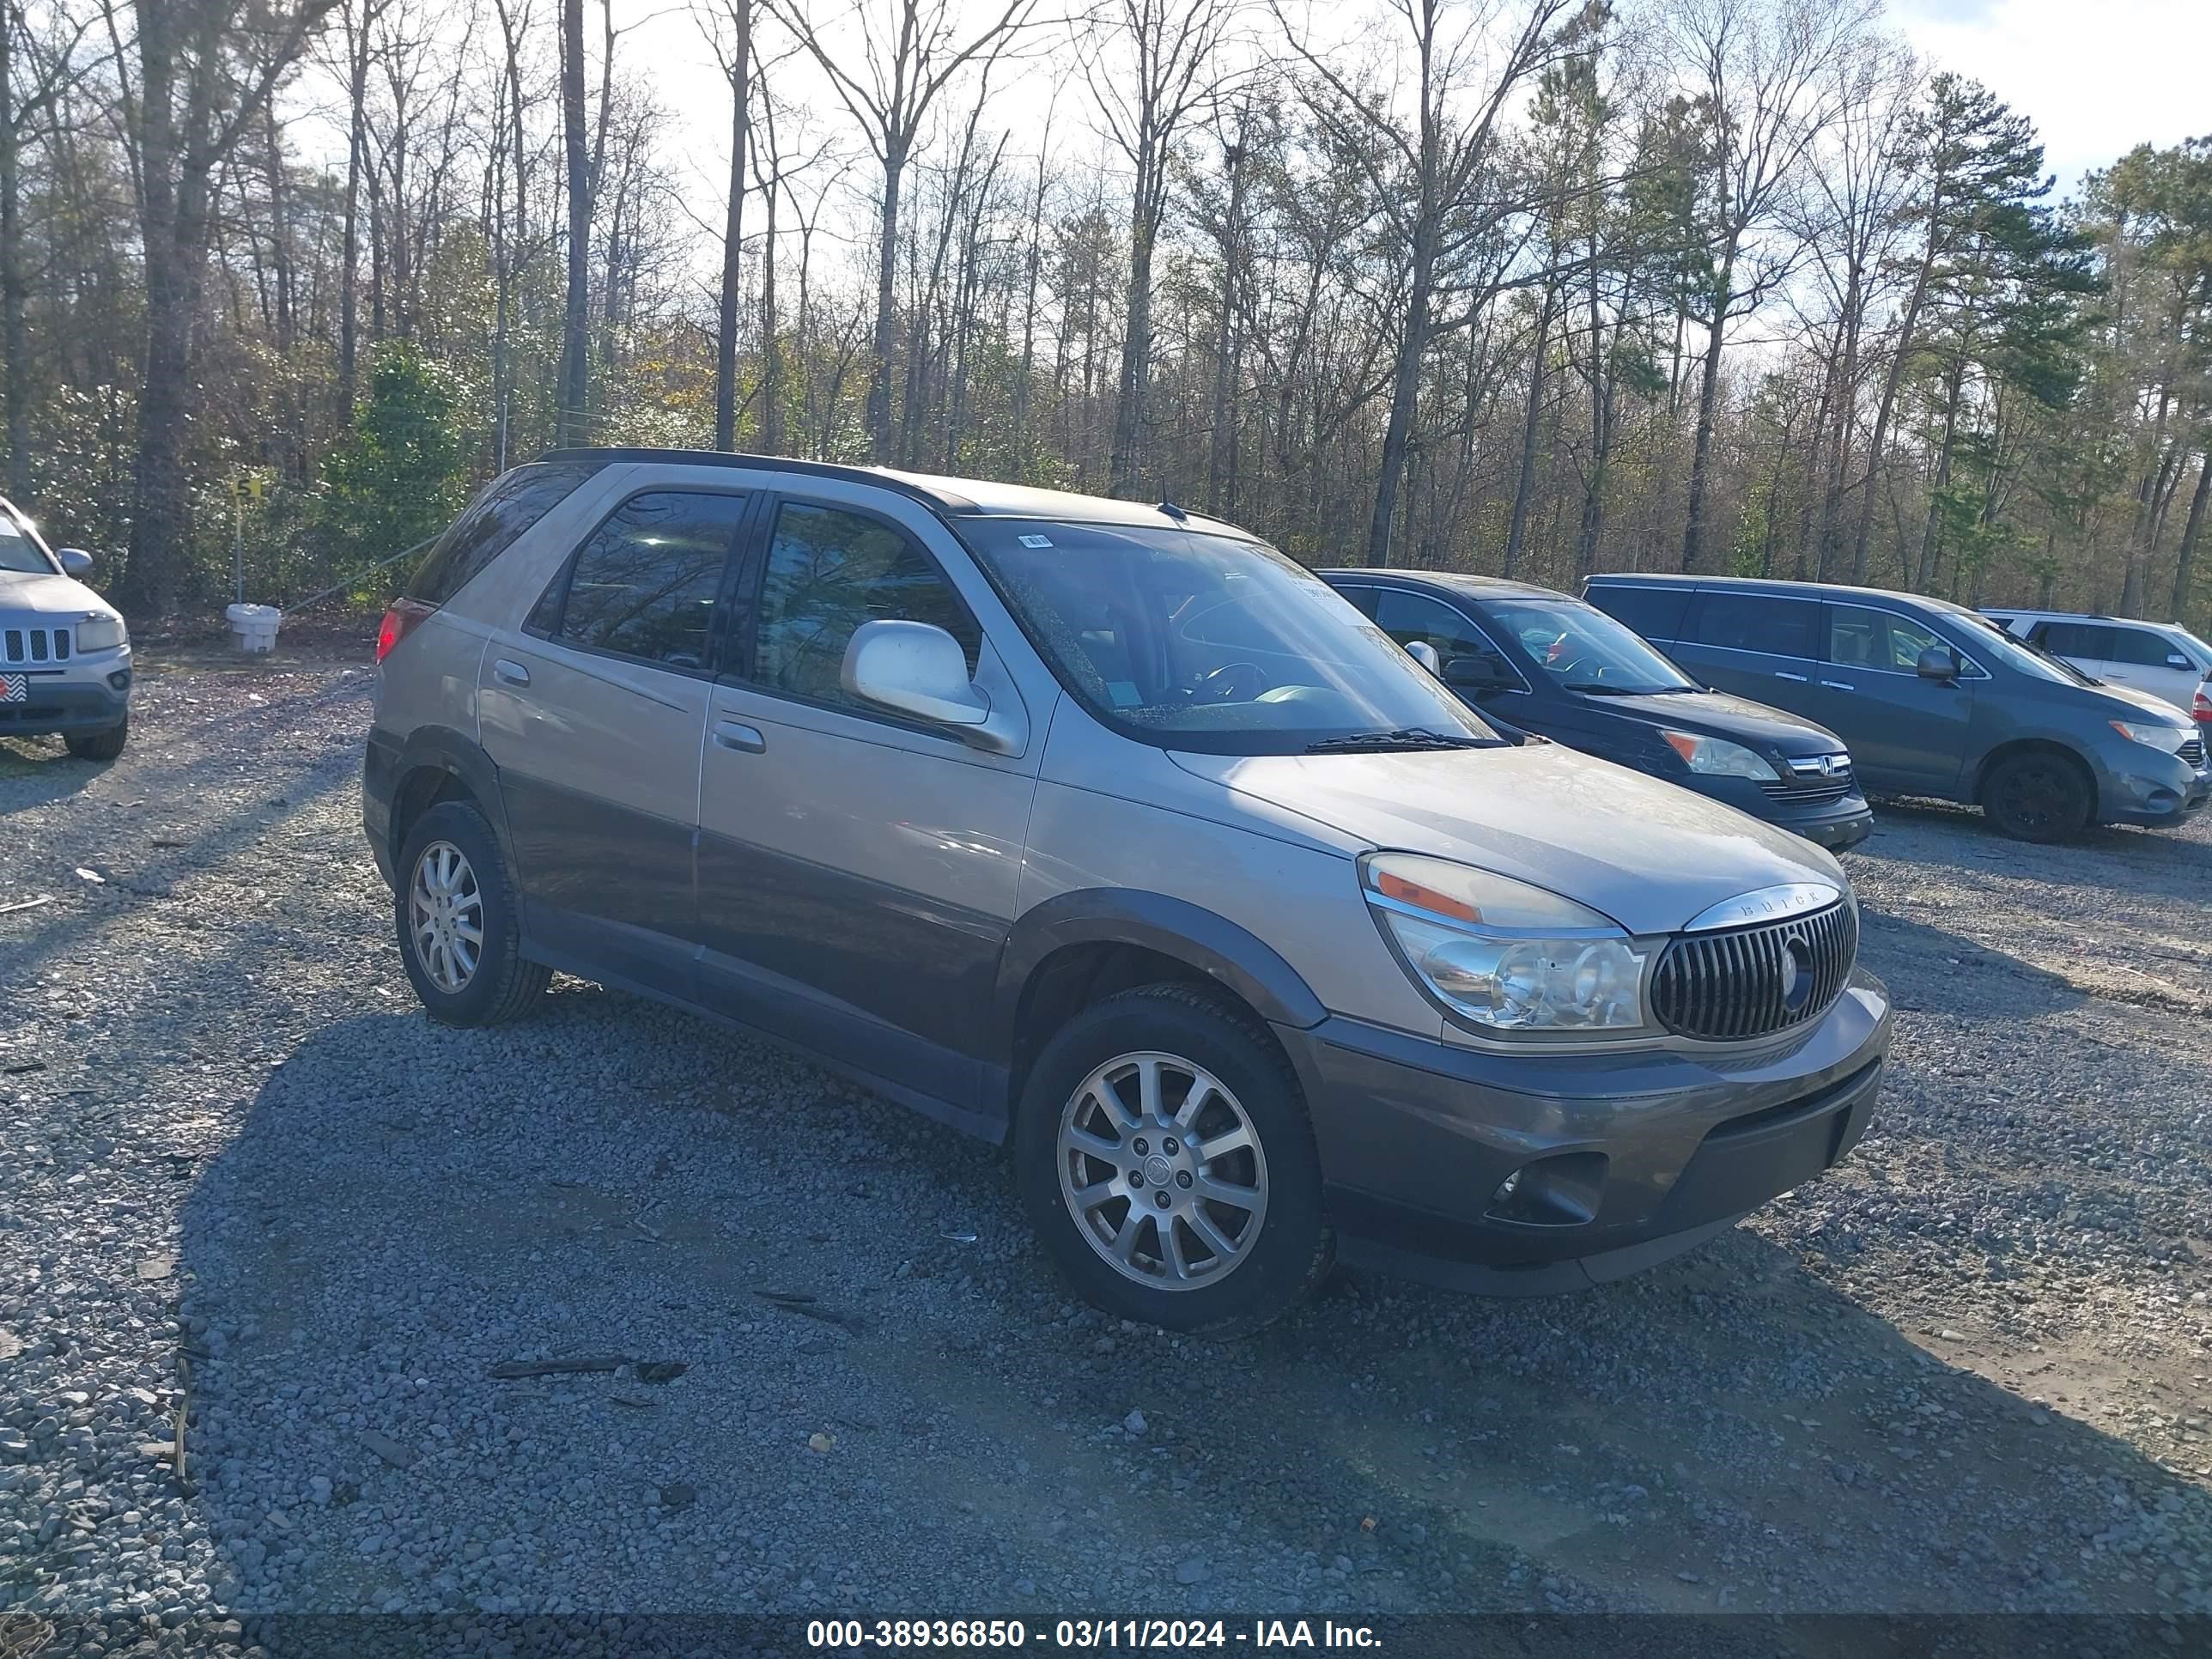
(398, 623)
(2201, 705)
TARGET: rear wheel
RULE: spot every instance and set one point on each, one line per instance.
(1164, 1155)
(2038, 796)
(455, 913)
(104, 745)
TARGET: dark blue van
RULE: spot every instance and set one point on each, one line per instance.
(1933, 698)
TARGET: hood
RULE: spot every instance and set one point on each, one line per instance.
(1644, 851)
(1719, 714)
(2129, 703)
(42, 594)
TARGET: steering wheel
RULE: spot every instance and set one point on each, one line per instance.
(1225, 684)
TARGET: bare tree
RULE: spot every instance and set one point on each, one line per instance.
(1763, 71)
(737, 57)
(911, 49)
(205, 67)
(1154, 67)
(575, 329)
(1426, 166)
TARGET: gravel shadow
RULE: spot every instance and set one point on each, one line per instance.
(884, 1395)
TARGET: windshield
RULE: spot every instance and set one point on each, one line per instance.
(1983, 634)
(18, 552)
(1199, 641)
(1585, 650)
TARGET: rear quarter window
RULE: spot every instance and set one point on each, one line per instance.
(1653, 612)
(509, 506)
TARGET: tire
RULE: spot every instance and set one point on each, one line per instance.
(1278, 1245)
(104, 745)
(2038, 795)
(451, 864)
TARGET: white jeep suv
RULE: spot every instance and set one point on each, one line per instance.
(64, 654)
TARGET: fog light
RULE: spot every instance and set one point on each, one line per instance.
(120, 679)
(1563, 1190)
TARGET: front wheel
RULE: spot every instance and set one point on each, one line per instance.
(2038, 796)
(459, 932)
(103, 746)
(1165, 1156)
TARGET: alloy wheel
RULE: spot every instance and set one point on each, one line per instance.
(445, 914)
(1163, 1171)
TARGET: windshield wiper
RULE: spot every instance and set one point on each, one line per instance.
(1629, 691)
(1405, 736)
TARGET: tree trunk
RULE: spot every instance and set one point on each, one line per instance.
(349, 239)
(1221, 456)
(1136, 344)
(1889, 385)
(577, 325)
(1693, 524)
(879, 380)
(1406, 380)
(726, 340)
(15, 343)
(1531, 427)
(2177, 608)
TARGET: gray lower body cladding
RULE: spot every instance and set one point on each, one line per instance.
(1621, 1161)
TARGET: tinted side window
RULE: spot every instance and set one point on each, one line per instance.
(2064, 639)
(830, 571)
(508, 505)
(1653, 612)
(1407, 617)
(2140, 646)
(644, 584)
(1362, 597)
(1753, 622)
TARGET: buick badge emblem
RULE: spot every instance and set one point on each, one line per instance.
(1796, 973)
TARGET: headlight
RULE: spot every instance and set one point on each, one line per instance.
(100, 634)
(1716, 758)
(1503, 954)
(2169, 738)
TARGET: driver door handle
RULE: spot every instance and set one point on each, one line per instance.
(1782, 674)
(735, 734)
(1839, 686)
(510, 673)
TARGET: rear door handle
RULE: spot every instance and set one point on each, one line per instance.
(1780, 675)
(746, 739)
(1839, 686)
(510, 673)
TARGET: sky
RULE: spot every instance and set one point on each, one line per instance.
(2096, 76)
(2097, 79)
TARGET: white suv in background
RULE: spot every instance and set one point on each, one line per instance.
(65, 654)
(2163, 659)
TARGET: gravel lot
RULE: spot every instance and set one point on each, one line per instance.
(248, 1187)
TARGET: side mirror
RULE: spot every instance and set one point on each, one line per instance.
(1938, 664)
(1426, 654)
(2175, 660)
(75, 561)
(915, 668)
(1477, 674)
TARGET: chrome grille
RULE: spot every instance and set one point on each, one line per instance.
(1814, 780)
(35, 644)
(1751, 981)
(2193, 751)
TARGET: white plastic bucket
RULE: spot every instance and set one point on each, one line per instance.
(254, 625)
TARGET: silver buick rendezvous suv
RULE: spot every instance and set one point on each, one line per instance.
(65, 654)
(1109, 833)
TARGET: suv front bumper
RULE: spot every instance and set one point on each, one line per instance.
(54, 706)
(1625, 1159)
